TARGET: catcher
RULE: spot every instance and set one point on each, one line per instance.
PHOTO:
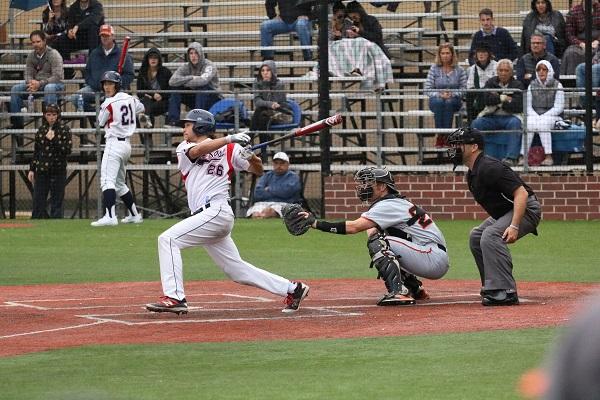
(403, 243)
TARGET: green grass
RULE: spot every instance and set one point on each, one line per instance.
(70, 251)
(453, 366)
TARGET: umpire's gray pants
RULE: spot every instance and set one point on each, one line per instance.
(491, 252)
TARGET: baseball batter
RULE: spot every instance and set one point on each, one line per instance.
(118, 118)
(403, 243)
(207, 166)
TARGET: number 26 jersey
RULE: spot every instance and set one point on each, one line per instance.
(117, 115)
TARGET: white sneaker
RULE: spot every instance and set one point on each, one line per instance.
(132, 219)
(106, 221)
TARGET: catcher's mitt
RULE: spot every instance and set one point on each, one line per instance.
(295, 223)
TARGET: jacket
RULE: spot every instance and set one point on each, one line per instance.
(545, 102)
(575, 23)
(289, 11)
(284, 188)
(56, 26)
(493, 102)
(190, 76)
(85, 19)
(48, 69)
(527, 63)
(51, 155)
(98, 63)
(162, 75)
(500, 42)
(273, 89)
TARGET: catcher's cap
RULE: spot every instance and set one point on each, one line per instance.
(204, 121)
(281, 156)
(107, 30)
(466, 135)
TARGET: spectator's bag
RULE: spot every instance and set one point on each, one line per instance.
(536, 153)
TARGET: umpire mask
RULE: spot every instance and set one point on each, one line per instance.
(460, 137)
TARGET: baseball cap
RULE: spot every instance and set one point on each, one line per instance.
(281, 156)
(472, 136)
(106, 30)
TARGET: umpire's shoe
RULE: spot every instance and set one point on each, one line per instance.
(168, 304)
(499, 298)
(293, 300)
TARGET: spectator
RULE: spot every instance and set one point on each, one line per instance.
(43, 73)
(275, 189)
(575, 32)
(443, 80)
(198, 74)
(528, 61)
(84, 18)
(291, 17)
(355, 55)
(154, 76)
(544, 107)
(54, 20)
(103, 58)
(48, 170)
(269, 101)
(365, 26)
(550, 23)
(580, 81)
(497, 39)
(477, 76)
(503, 112)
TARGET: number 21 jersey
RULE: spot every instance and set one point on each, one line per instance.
(117, 115)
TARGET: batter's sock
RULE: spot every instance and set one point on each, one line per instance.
(110, 199)
(128, 200)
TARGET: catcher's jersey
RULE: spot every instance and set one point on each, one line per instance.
(117, 115)
(208, 177)
(395, 213)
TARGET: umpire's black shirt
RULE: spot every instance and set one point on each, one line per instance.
(492, 184)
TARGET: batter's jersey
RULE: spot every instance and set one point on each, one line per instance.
(117, 115)
(394, 214)
(208, 177)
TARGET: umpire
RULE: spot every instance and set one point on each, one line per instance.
(513, 208)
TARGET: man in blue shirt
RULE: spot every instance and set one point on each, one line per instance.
(497, 39)
(275, 189)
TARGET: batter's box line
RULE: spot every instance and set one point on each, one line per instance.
(324, 313)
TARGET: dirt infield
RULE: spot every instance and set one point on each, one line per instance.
(43, 317)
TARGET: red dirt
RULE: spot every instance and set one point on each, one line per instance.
(14, 225)
(43, 317)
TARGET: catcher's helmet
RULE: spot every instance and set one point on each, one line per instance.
(366, 178)
(52, 107)
(204, 122)
(112, 76)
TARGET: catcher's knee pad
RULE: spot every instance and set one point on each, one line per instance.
(386, 263)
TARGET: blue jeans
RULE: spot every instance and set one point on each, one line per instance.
(550, 46)
(500, 145)
(89, 98)
(443, 110)
(198, 100)
(275, 26)
(16, 98)
(580, 77)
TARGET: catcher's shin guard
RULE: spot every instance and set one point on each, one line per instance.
(388, 269)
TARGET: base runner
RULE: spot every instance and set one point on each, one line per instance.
(207, 166)
(118, 118)
(403, 243)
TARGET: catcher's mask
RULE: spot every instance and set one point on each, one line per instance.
(365, 180)
(204, 121)
(458, 138)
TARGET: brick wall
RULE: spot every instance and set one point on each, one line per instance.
(563, 197)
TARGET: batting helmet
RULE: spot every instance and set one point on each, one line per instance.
(204, 122)
(52, 107)
(366, 178)
(112, 76)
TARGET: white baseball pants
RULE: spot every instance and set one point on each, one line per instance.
(114, 160)
(210, 229)
(427, 261)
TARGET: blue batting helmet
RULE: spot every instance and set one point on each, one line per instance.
(204, 122)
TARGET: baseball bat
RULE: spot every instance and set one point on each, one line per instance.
(305, 130)
(123, 54)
